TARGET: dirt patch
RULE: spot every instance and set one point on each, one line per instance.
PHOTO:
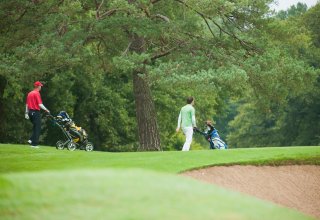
(293, 186)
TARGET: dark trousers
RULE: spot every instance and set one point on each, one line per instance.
(35, 118)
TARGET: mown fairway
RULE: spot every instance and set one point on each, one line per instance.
(50, 184)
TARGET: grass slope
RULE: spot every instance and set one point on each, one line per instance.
(50, 184)
(16, 158)
(126, 194)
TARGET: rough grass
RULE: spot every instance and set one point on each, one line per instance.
(50, 184)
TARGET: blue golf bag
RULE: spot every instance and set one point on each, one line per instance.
(212, 136)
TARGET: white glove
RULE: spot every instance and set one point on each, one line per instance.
(26, 116)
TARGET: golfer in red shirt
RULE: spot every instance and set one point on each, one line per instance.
(33, 105)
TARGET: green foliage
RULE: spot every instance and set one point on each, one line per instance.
(218, 51)
(311, 20)
(282, 105)
(294, 10)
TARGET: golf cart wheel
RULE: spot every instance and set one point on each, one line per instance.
(72, 146)
(89, 146)
(60, 145)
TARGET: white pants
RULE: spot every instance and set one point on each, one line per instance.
(188, 132)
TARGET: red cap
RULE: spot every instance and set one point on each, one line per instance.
(36, 84)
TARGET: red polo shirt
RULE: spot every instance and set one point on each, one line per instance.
(34, 100)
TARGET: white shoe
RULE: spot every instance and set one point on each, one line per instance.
(35, 146)
(29, 141)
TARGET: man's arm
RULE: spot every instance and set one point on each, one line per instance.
(179, 122)
(39, 100)
(43, 107)
(26, 113)
(194, 118)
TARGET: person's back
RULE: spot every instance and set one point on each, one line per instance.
(33, 100)
(187, 112)
(187, 121)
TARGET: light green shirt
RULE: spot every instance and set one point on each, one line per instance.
(187, 116)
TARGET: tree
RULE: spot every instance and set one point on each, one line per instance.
(282, 105)
(294, 10)
(155, 32)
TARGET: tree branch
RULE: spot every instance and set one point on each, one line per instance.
(243, 43)
(23, 13)
(127, 49)
(165, 53)
(166, 19)
(154, 1)
(208, 26)
(111, 12)
(98, 6)
(98, 9)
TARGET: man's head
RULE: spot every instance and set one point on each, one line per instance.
(38, 85)
(190, 100)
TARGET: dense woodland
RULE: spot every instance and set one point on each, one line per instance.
(123, 69)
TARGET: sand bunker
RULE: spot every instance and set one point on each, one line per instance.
(293, 186)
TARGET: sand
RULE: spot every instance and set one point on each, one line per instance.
(293, 186)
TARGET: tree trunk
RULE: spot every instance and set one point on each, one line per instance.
(149, 137)
(3, 82)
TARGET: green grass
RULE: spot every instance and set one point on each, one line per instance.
(50, 184)
(16, 158)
